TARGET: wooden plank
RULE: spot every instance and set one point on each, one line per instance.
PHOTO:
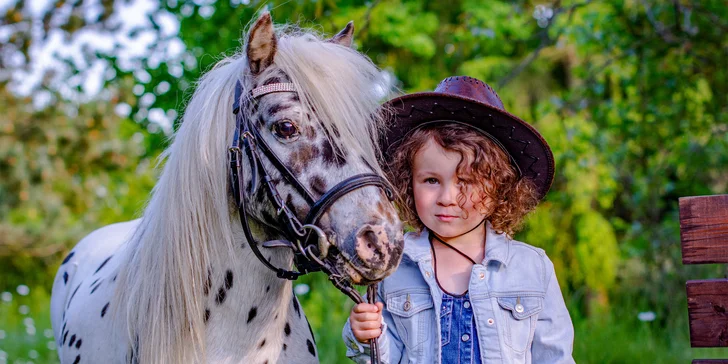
(710, 361)
(704, 229)
(708, 312)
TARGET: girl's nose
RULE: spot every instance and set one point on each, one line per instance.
(448, 195)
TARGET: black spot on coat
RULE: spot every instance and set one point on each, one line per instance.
(68, 257)
(251, 315)
(311, 348)
(278, 108)
(72, 295)
(73, 340)
(330, 156)
(65, 277)
(103, 310)
(295, 306)
(221, 295)
(78, 344)
(310, 331)
(271, 80)
(102, 264)
(208, 283)
(262, 343)
(318, 185)
(78, 359)
(95, 288)
(287, 329)
(228, 279)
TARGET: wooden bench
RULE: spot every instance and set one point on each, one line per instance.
(704, 237)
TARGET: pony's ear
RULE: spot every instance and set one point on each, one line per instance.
(261, 46)
(345, 37)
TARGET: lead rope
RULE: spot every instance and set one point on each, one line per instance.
(373, 345)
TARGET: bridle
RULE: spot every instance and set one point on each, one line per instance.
(308, 242)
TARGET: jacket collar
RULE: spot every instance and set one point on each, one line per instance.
(417, 246)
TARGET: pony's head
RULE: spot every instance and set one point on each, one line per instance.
(323, 129)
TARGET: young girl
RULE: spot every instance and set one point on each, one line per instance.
(467, 172)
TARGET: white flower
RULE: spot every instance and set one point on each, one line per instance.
(646, 316)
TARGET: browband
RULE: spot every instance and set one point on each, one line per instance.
(273, 87)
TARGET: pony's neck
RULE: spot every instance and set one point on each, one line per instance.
(246, 300)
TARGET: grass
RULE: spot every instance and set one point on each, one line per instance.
(25, 335)
(25, 327)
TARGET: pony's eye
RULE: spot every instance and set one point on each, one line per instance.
(285, 130)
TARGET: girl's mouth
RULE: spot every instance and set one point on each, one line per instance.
(446, 218)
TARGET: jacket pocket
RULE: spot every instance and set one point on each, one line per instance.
(413, 315)
(519, 316)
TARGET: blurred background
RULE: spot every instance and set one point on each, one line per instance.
(632, 96)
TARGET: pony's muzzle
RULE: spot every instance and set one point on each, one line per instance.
(378, 248)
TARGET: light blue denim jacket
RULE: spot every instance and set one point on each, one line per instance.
(517, 303)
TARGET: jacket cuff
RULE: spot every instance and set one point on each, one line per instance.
(354, 348)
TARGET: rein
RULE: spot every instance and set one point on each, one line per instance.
(309, 243)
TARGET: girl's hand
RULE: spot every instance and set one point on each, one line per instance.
(366, 321)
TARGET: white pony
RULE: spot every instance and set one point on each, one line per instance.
(182, 284)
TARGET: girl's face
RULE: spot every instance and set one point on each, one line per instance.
(436, 188)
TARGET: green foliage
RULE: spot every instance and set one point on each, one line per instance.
(66, 171)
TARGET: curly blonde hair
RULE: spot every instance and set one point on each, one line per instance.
(483, 164)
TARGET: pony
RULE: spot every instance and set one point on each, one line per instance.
(182, 284)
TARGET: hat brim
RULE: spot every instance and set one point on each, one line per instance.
(526, 147)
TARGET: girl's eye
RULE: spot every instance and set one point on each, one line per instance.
(285, 130)
(431, 180)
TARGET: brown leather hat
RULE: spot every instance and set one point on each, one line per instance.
(472, 102)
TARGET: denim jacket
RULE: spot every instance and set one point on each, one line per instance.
(519, 311)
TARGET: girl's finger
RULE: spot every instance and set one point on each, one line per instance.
(367, 316)
(365, 335)
(366, 325)
(365, 307)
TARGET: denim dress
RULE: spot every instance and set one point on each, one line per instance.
(459, 336)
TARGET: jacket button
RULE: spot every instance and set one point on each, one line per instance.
(427, 273)
(466, 304)
(407, 306)
(465, 337)
(490, 322)
(519, 308)
(482, 275)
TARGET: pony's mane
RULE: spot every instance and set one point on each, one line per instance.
(187, 224)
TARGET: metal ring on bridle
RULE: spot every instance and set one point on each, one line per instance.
(323, 240)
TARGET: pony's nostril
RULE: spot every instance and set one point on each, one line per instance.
(368, 245)
(370, 238)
